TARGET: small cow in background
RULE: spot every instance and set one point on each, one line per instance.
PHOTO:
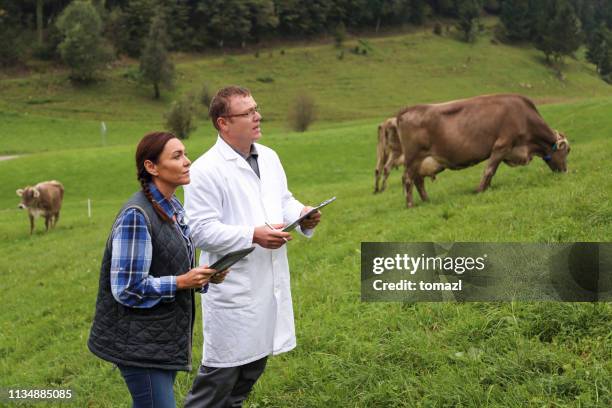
(388, 152)
(44, 199)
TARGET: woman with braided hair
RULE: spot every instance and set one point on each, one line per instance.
(145, 308)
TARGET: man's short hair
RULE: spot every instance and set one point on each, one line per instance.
(220, 104)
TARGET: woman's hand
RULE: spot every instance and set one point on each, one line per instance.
(195, 278)
(220, 277)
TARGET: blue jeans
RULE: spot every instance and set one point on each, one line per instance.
(149, 387)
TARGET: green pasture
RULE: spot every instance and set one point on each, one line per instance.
(349, 353)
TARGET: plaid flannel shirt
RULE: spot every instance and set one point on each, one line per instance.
(131, 284)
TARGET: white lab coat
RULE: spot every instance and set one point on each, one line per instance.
(250, 314)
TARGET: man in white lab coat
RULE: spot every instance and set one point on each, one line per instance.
(238, 190)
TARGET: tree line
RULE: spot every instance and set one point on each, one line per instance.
(63, 29)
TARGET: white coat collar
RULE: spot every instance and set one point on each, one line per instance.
(229, 154)
(226, 151)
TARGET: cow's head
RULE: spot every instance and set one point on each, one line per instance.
(556, 158)
(29, 197)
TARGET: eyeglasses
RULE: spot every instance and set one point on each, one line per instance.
(250, 113)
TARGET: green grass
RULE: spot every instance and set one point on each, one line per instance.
(349, 353)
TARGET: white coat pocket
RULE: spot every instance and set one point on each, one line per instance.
(234, 291)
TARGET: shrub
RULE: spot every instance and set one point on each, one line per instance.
(302, 112)
(265, 79)
(180, 117)
(133, 74)
(339, 34)
(437, 29)
(205, 97)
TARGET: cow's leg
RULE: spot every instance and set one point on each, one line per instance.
(47, 222)
(492, 165)
(380, 162)
(376, 180)
(55, 221)
(31, 223)
(419, 181)
(386, 171)
(407, 180)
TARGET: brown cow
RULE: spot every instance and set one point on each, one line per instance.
(388, 152)
(462, 133)
(44, 199)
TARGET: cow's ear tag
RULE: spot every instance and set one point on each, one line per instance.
(554, 147)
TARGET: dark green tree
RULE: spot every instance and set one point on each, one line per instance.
(492, 6)
(515, 17)
(155, 64)
(180, 31)
(469, 18)
(298, 18)
(11, 45)
(599, 51)
(263, 18)
(39, 20)
(585, 10)
(134, 25)
(418, 11)
(228, 21)
(81, 48)
(45, 13)
(444, 7)
(560, 34)
(603, 13)
(352, 12)
(114, 30)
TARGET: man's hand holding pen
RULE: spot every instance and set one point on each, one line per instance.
(271, 236)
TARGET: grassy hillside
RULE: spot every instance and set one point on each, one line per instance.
(36, 111)
(349, 353)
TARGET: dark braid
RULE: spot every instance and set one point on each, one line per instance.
(147, 192)
(150, 148)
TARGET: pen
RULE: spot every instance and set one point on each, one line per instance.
(274, 229)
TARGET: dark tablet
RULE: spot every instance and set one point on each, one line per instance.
(230, 258)
(295, 223)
